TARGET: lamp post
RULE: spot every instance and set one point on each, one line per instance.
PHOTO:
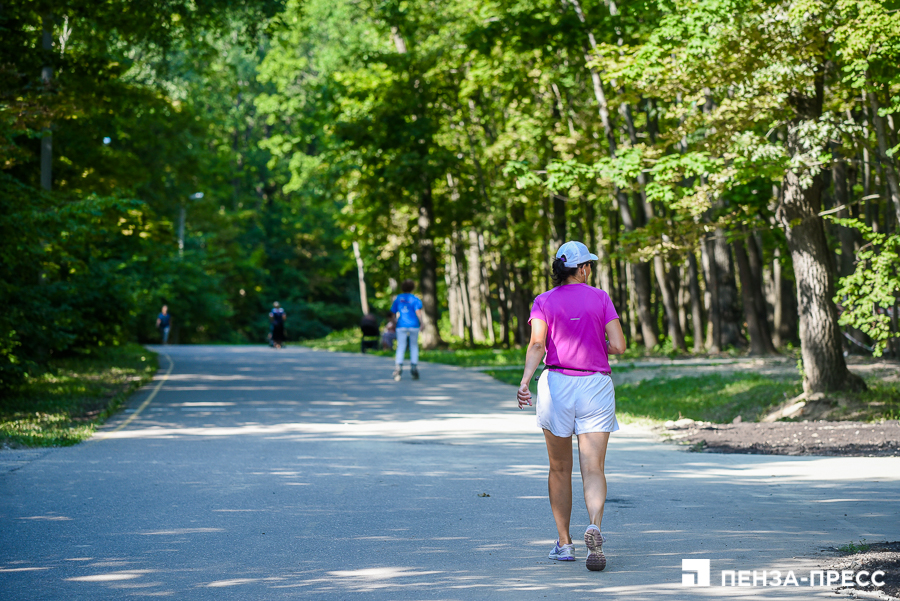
(181, 216)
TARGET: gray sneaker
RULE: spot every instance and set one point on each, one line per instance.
(562, 552)
(397, 373)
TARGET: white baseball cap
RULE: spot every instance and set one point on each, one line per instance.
(574, 254)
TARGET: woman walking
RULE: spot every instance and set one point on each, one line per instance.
(577, 328)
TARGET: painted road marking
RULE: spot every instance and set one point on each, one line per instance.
(146, 402)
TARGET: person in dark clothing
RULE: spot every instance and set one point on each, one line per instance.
(163, 323)
(369, 326)
(277, 317)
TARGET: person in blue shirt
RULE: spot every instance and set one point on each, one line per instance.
(163, 323)
(408, 309)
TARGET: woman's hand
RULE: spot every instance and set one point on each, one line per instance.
(524, 396)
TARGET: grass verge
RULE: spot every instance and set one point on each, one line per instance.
(711, 398)
(65, 405)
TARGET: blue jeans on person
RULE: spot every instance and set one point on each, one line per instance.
(165, 334)
(404, 334)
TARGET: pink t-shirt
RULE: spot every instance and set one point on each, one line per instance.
(576, 316)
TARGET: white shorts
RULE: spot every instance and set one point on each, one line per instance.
(576, 404)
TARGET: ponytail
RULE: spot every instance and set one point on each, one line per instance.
(561, 273)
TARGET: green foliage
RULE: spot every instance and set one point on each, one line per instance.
(68, 401)
(851, 548)
(69, 274)
(146, 111)
(870, 294)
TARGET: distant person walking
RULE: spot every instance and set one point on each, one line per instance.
(277, 317)
(576, 326)
(389, 336)
(163, 323)
(408, 309)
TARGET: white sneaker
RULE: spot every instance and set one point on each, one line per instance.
(593, 540)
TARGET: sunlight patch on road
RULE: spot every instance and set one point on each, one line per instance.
(179, 531)
(111, 576)
(498, 427)
(240, 581)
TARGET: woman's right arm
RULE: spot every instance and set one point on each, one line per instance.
(537, 348)
(615, 337)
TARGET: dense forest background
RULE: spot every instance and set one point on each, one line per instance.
(733, 163)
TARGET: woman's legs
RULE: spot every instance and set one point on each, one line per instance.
(559, 483)
(592, 458)
(413, 345)
(402, 337)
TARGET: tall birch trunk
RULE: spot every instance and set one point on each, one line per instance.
(361, 278)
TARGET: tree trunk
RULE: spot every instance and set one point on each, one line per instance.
(522, 299)
(714, 327)
(678, 277)
(668, 299)
(559, 223)
(760, 343)
(361, 277)
(604, 271)
(429, 336)
(486, 291)
(659, 267)
(454, 298)
(631, 295)
(849, 243)
(504, 305)
(696, 303)
(473, 271)
(729, 312)
(759, 297)
(820, 337)
(889, 166)
(778, 305)
(641, 275)
(463, 291)
(46, 78)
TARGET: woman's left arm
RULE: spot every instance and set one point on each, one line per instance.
(615, 338)
(537, 348)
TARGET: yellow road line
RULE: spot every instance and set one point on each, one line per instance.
(150, 398)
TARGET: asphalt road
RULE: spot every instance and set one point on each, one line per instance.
(257, 474)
